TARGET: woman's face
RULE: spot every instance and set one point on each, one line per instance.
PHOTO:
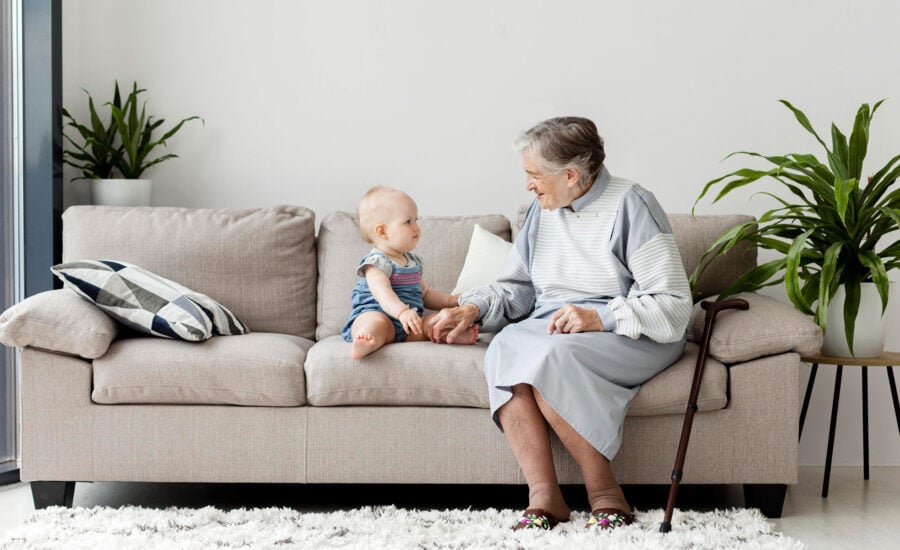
(553, 190)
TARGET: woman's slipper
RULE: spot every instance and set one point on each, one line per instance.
(609, 518)
(536, 518)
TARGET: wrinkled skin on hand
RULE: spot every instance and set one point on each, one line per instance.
(450, 324)
(571, 319)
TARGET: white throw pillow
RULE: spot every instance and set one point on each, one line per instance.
(147, 302)
(487, 254)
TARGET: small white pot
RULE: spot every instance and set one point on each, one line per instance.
(868, 335)
(121, 192)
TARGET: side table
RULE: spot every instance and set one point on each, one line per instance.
(887, 359)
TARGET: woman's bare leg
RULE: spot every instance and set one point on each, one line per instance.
(370, 331)
(602, 488)
(527, 432)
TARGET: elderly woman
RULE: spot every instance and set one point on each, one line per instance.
(593, 301)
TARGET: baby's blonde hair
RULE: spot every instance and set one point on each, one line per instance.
(372, 209)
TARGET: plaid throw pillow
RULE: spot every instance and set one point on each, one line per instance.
(147, 302)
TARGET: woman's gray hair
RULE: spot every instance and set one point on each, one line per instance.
(566, 142)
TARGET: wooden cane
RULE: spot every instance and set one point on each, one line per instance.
(712, 309)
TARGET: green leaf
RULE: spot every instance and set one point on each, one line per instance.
(859, 141)
(178, 126)
(754, 279)
(708, 186)
(839, 144)
(894, 214)
(791, 273)
(851, 309)
(804, 121)
(826, 282)
(842, 190)
(878, 275)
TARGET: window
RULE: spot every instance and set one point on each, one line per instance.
(10, 215)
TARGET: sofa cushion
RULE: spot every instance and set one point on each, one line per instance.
(484, 260)
(769, 327)
(58, 320)
(443, 246)
(258, 369)
(146, 302)
(695, 234)
(411, 374)
(260, 262)
(425, 374)
(668, 391)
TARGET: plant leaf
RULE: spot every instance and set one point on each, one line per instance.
(804, 121)
(842, 190)
(839, 144)
(827, 283)
(755, 278)
(859, 141)
(851, 309)
(878, 275)
(791, 273)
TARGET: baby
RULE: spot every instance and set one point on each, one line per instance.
(391, 295)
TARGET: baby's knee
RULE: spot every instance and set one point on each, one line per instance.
(374, 323)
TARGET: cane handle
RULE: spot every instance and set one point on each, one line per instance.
(713, 308)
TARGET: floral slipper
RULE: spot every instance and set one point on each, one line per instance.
(536, 518)
(609, 518)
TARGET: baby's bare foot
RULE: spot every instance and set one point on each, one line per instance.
(468, 337)
(363, 344)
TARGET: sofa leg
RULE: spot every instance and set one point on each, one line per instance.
(769, 498)
(52, 493)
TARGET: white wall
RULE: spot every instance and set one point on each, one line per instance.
(313, 102)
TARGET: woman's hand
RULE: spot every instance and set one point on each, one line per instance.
(411, 321)
(450, 323)
(570, 319)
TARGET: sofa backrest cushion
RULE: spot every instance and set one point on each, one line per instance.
(442, 247)
(695, 234)
(259, 263)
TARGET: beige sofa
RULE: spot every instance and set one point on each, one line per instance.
(286, 403)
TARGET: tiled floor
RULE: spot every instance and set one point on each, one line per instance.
(857, 514)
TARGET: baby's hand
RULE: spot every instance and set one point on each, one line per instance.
(411, 321)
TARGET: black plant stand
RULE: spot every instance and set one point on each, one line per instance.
(887, 359)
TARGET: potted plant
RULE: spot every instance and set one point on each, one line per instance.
(827, 231)
(114, 154)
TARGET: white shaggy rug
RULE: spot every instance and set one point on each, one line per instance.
(374, 528)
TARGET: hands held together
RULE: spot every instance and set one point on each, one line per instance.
(450, 324)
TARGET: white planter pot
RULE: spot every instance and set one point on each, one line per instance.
(121, 192)
(868, 335)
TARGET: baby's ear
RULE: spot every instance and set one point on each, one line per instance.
(380, 230)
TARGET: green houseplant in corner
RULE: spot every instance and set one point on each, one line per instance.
(114, 154)
(827, 232)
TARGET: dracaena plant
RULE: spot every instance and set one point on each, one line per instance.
(97, 152)
(829, 225)
(136, 134)
(123, 144)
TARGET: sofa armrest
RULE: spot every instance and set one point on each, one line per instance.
(60, 321)
(769, 327)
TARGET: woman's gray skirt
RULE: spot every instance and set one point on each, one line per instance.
(588, 378)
